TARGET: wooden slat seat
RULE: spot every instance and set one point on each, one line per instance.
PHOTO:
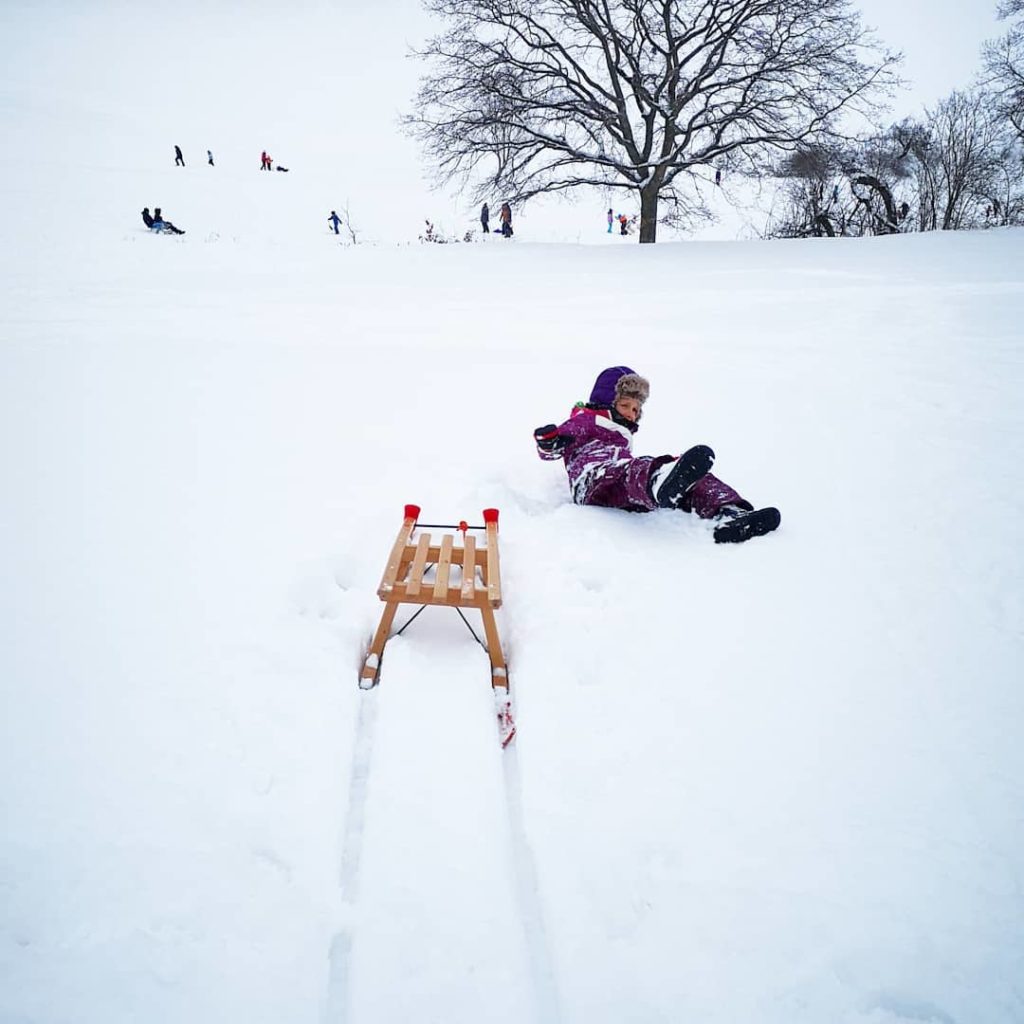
(468, 591)
(444, 567)
(419, 563)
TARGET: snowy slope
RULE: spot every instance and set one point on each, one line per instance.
(773, 783)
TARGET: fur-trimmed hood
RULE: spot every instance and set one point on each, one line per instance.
(618, 382)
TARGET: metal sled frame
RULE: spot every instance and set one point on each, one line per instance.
(477, 585)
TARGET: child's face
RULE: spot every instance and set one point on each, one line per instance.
(628, 408)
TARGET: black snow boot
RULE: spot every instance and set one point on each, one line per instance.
(738, 528)
(671, 481)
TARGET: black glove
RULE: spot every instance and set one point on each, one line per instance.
(549, 439)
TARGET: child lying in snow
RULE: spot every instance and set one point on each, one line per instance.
(596, 445)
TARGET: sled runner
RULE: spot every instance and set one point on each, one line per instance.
(466, 575)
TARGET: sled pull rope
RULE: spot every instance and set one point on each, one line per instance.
(462, 526)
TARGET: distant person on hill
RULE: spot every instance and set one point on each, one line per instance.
(485, 218)
(623, 224)
(611, 220)
(596, 441)
(264, 161)
(179, 160)
(159, 224)
(209, 157)
(506, 220)
(334, 220)
(718, 175)
(147, 219)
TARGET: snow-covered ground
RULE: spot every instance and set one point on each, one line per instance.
(776, 783)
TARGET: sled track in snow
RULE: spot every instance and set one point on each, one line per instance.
(340, 956)
(527, 895)
(524, 887)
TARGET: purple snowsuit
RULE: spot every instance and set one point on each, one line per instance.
(603, 471)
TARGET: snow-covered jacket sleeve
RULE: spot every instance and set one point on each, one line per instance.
(543, 439)
(587, 429)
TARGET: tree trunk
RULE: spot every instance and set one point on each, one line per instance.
(649, 211)
(825, 225)
(890, 226)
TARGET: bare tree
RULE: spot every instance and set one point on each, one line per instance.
(917, 143)
(541, 96)
(850, 189)
(878, 167)
(351, 230)
(1004, 65)
(811, 181)
(967, 144)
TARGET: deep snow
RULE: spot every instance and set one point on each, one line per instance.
(780, 782)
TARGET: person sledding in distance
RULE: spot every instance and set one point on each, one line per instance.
(596, 442)
(160, 225)
(157, 224)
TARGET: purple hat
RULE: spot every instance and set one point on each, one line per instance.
(619, 382)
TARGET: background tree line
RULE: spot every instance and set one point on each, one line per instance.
(529, 97)
(959, 165)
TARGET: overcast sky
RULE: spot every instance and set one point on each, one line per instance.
(940, 41)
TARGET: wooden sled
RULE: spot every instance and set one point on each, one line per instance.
(468, 575)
